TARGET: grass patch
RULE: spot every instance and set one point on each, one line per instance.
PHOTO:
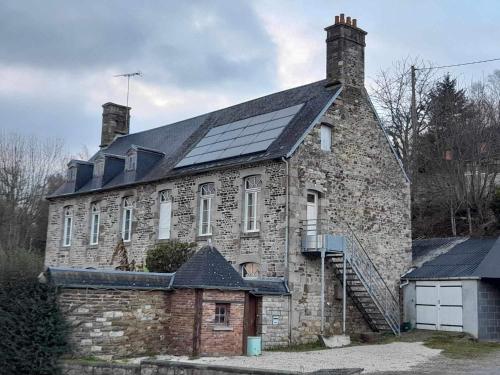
(317, 345)
(460, 345)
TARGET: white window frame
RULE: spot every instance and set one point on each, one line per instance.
(253, 185)
(326, 138)
(95, 221)
(165, 208)
(131, 162)
(98, 168)
(68, 226)
(127, 219)
(207, 194)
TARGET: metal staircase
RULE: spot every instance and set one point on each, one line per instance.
(356, 271)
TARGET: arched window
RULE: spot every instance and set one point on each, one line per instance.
(207, 193)
(68, 225)
(253, 186)
(250, 269)
(127, 219)
(165, 215)
(94, 223)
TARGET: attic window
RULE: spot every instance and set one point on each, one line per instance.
(99, 168)
(131, 162)
(71, 174)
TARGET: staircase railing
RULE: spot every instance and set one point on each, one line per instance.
(314, 240)
(374, 283)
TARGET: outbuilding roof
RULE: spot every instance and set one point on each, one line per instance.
(176, 140)
(473, 258)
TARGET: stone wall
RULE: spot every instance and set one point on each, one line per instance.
(360, 184)
(489, 310)
(265, 247)
(273, 322)
(149, 367)
(116, 323)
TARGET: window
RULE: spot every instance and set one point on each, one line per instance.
(207, 193)
(127, 219)
(252, 188)
(94, 224)
(222, 314)
(165, 215)
(71, 174)
(326, 138)
(130, 162)
(68, 226)
(99, 168)
(250, 269)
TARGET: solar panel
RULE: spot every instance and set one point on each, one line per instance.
(246, 136)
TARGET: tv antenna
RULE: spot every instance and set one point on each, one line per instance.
(128, 75)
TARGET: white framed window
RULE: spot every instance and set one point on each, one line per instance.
(94, 223)
(164, 221)
(253, 185)
(207, 194)
(131, 162)
(250, 269)
(98, 168)
(326, 138)
(127, 219)
(68, 226)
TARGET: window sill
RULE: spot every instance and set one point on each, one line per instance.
(203, 237)
(255, 234)
(222, 328)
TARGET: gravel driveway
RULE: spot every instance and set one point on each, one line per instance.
(402, 356)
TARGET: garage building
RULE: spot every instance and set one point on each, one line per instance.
(458, 290)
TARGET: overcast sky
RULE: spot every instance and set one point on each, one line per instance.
(58, 58)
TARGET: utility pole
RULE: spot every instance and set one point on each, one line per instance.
(128, 75)
(414, 124)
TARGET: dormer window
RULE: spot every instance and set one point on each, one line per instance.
(71, 174)
(99, 168)
(131, 162)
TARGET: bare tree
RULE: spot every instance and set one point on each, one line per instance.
(26, 166)
(392, 95)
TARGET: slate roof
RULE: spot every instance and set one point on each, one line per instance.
(473, 258)
(261, 287)
(177, 139)
(112, 279)
(208, 269)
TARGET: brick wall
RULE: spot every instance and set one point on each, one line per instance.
(181, 309)
(219, 341)
(116, 323)
(489, 310)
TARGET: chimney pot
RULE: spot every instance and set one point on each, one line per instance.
(342, 20)
(348, 21)
(337, 20)
(354, 22)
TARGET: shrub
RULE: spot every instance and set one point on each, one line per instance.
(169, 256)
(32, 329)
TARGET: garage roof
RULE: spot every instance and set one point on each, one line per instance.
(475, 257)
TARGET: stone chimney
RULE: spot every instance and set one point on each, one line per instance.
(345, 53)
(115, 121)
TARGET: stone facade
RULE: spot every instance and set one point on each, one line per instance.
(273, 321)
(116, 323)
(131, 323)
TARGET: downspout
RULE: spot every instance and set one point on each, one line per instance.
(287, 232)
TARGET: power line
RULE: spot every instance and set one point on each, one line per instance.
(462, 64)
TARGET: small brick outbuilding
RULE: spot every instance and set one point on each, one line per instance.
(205, 308)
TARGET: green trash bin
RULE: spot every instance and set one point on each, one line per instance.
(254, 346)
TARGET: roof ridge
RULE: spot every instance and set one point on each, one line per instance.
(222, 109)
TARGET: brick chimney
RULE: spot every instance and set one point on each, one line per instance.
(345, 52)
(115, 121)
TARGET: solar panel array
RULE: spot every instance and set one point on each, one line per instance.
(253, 134)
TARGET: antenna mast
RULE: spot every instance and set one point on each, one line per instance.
(128, 75)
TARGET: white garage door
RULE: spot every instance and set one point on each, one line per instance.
(439, 305)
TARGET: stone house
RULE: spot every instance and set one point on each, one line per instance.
(300, 185)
